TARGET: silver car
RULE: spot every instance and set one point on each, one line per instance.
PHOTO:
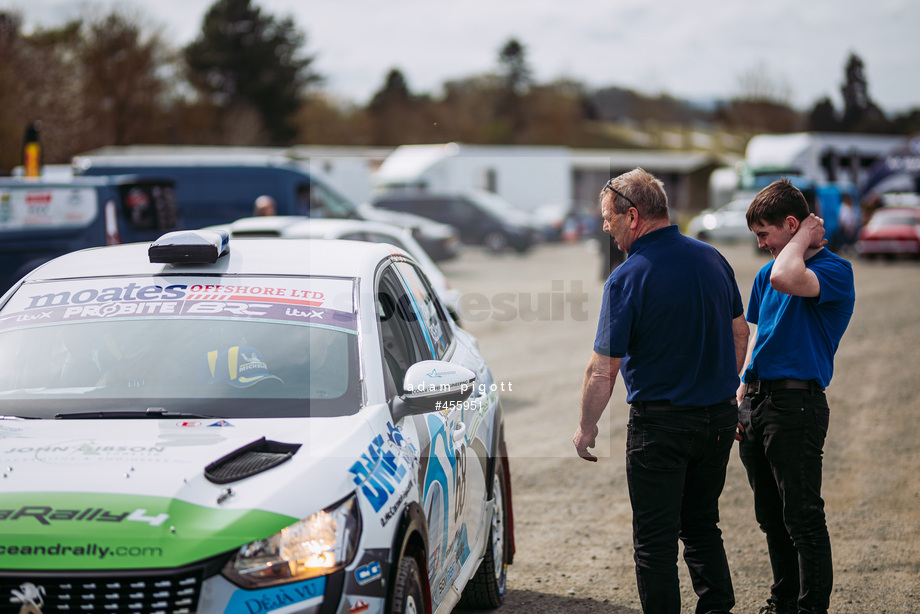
(303, 227)
(727, 223)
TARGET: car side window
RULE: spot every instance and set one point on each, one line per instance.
(431, 313)
(317, 200)
(303, 199)
(432, 209)
(333, 204)
(356, 236)
(382, 238)
(460, 211)
(395, 205)
(401, 339)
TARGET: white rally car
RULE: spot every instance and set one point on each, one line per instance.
(262, 426)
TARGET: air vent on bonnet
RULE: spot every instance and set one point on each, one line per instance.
(249, 460)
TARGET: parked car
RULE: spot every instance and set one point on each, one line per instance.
(440, 241)
(568, 221)
(215, 425)
(301, 227)
(482, 218)
(892, 231)
(727, 223)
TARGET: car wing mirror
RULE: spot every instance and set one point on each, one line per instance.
(433, 385)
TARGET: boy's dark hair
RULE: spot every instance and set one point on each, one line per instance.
(775, 203)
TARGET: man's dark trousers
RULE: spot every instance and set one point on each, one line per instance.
(675, 466)
(782, 451)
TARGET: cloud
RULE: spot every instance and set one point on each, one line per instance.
(695, 50)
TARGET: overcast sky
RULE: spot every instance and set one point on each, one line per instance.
(696, 50)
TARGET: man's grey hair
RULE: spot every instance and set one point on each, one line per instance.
(640, 189)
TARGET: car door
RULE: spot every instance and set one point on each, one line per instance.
(464, 216)
(463, 420)
(417, 331)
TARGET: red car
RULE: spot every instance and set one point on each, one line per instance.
(892, 231)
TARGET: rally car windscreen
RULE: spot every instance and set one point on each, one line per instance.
(215, 347)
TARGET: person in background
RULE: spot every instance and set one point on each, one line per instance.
(265, 205)
(847, 225)
(672, 322)
(800, 306)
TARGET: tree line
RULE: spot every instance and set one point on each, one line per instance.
(106, 78)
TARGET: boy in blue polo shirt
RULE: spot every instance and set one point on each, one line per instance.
(800, 306)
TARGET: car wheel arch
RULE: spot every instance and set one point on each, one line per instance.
(411, 540)
(500, 449)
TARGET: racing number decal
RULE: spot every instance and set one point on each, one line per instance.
(436, 473)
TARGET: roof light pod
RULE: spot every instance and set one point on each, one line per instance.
(190, 247)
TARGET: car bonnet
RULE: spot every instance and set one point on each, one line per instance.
(144, 482)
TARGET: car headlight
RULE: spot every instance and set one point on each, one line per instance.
(315, 546)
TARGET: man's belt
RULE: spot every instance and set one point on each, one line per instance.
(667, 406)
(763, 386)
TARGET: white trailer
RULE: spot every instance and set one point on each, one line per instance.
(526, 177)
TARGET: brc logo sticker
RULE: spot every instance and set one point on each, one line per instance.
(237, 309)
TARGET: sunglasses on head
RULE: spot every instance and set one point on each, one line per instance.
(618, 193)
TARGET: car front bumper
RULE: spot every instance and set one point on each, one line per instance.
(196, 589)
(890, 246)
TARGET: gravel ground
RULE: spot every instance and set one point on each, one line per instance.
(535, 318)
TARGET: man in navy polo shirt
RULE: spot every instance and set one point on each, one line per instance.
(672, 322)
(800, 305)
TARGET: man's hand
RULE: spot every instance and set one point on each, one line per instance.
(600, 376)
(812, 229)
(583, 440)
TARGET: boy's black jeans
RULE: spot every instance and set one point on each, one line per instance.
(782, 450)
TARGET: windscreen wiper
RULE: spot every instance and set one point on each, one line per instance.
(126, 414)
